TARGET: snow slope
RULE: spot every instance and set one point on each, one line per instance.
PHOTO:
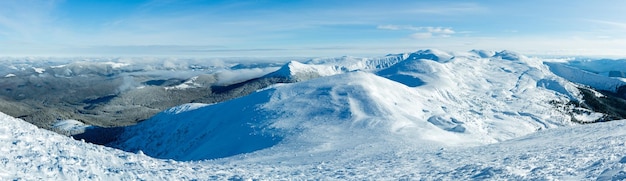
(584, 152)
(486, 94)
(600, 66)
(593, 80)
(315, 114)
(464, 100)
(30, 153)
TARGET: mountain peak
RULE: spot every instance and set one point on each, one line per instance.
(508, 55)
(483, 53)
(431, 54)
(296, 71)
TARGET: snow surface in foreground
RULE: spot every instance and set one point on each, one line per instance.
(570, 153)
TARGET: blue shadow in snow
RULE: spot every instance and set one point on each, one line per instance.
(406, 80)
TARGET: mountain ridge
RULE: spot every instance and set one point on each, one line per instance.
(472, 100)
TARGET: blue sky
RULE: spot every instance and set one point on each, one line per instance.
(308, 27)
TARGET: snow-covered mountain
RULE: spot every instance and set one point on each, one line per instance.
(296, 72)
(430, 114)
(431, 98)
(583, 152)
(596, 81)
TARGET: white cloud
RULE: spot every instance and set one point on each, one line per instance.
(389, 27)
(421, 35)
(620, 25)
(448, 8)
(421, 32)
(439, 30)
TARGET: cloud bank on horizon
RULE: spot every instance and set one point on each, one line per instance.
(308, 28)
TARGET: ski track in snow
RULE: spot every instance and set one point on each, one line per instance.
(469, 118)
